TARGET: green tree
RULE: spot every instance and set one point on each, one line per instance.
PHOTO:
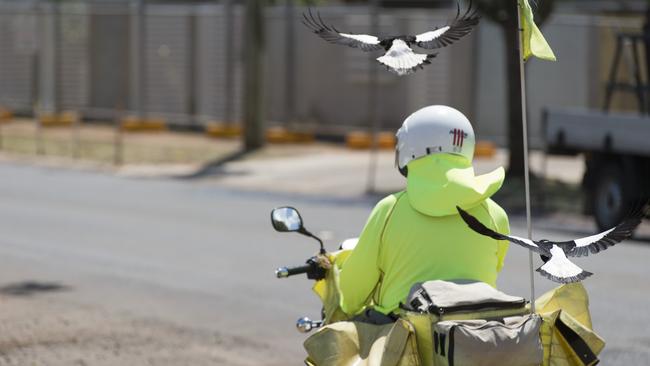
(504, 14)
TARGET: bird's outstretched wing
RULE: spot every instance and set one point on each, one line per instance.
(477, 226)
(599, 242)
(560, 269)
(330, 34)
(444, 36)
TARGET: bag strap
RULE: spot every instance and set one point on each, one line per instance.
(450, 350)
(577, 344)
(396, 342)
(400, 346)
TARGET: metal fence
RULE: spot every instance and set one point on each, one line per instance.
(185, 63)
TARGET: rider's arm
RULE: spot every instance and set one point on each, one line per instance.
(361, 274)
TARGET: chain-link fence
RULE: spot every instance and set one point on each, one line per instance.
(184, 63)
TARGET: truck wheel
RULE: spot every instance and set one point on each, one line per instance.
(610, 197)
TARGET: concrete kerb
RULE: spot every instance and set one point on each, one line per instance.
(274, 135)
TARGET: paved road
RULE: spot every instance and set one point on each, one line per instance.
(202, 256)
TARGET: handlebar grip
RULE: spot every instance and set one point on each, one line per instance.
(284, 272)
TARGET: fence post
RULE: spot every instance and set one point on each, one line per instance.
(40, 146)
(118, 143)
(372, 103)
(76, 131)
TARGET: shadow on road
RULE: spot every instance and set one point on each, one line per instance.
(215, 167)
(29, 288)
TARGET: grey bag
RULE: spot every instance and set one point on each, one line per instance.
(514, 341)
(444, 297)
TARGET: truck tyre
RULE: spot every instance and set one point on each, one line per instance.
(611, 197)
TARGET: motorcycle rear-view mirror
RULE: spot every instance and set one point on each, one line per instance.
(286, 219)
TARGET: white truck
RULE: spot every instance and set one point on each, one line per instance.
(617, 156)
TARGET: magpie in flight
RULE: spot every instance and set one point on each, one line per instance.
(558, 267)
(399, 57)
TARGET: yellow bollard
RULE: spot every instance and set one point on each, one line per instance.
(359, 140)
(6, 115)
(138, 124)
(222, 130)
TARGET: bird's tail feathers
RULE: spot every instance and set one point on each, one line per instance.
(405, 63)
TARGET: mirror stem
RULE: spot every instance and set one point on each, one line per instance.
(307, 233)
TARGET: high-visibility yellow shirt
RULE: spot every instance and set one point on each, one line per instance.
(417, 235)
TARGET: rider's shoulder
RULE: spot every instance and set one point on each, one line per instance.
(390, 201)
(387, 204)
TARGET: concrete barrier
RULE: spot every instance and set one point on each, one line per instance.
(222, 130)
(6, 115)
(360, 140)
(485, 149)
(280, 135)
(62, 119)
(140, 124)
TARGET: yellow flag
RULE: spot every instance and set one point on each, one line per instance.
(533, 42)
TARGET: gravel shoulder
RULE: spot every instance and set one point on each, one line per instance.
(44, 330)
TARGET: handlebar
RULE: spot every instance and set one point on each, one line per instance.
(312, 269)
(284, 272)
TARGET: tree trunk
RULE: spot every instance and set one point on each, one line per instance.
(254, 77)
(515, 128)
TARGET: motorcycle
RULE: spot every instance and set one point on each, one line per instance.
(563, 334)
(322, 268)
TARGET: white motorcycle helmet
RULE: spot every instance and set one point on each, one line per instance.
(432, 130)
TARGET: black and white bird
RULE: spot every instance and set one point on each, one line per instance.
(399, 56)
(558, 267)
